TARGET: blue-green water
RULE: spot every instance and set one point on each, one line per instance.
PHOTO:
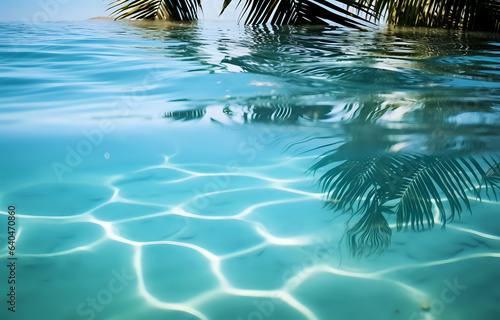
(163, 171)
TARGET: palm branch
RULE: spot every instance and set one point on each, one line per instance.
(262, 109)
(156, 9)
(185, 115)
(491, 178)
(283, 112)
(371, 234)
(303, 12)
(414, 182)
(449, 14)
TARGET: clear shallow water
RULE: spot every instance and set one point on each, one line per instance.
(162, 171)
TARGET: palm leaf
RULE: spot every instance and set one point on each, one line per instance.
(302, 12)
(450, 14)
(283, 112)
(416, 182)
(344, 185)
(371, 234)
(423, 179)
(156, 9)
(491, 178)
(185, 115)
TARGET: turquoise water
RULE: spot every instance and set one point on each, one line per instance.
(184, 171)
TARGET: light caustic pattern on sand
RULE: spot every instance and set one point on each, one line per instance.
(202, 236)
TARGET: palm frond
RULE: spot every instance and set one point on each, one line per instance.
(283, 112)
(450, 14)
(185, 115)
(156, 9)
(422, 180)
(364, 139)
(418, 186)
(415, 180)
(371, 234)
(303, 12)
(345, 184)
(491, 178)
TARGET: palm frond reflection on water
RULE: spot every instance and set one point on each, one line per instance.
(417, 188)
(426, 181)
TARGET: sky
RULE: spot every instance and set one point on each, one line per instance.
(64, 10)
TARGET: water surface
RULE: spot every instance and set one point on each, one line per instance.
(180, 171)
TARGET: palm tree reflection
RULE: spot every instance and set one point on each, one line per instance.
(414, 147)
(416, 187)
(369, 175)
